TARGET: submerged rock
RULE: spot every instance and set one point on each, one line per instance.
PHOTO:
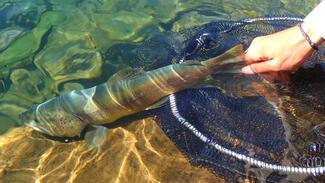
(22, 50)
(138, 152)
(67, 87)
(70, 56)
(61, 44)
(24, 14)
(117, 27)
(26, 88)
(9, 35)
(300, 7)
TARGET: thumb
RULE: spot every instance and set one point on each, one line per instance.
(247, 70)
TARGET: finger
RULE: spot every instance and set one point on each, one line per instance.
(247, 70)
(261, 67)
(255, 54)
(250, 57)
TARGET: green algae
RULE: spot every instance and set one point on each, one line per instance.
(120, 27)
(28, 44)
(191, 19)
(67, 87)
(22, 13)
(9, 35)
(299, 7)
(69, 56)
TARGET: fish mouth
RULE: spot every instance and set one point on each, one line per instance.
(38, 127)
(29, 119)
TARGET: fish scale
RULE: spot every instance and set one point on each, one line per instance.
(69, 114)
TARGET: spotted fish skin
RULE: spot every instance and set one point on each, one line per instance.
(67, 115)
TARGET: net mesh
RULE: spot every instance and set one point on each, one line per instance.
(233, 134)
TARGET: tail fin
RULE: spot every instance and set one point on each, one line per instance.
(231, 56)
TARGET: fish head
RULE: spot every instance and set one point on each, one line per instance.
(54, 122)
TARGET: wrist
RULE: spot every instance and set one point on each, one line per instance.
(315, 19)
(313, 34)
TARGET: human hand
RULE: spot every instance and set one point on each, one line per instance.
(283, 51)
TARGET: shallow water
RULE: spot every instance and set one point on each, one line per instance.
(50, 47)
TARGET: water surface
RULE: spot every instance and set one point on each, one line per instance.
(49, 47)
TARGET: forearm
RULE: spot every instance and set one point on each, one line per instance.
(314, 23)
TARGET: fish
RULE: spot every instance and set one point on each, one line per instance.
(125, 93)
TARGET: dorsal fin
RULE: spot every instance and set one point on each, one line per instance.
(192, 62)
(126, 73)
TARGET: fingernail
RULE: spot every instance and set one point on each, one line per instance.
(247, 70)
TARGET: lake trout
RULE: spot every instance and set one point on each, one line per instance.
(125, 93)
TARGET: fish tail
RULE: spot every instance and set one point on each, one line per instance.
(232, 56)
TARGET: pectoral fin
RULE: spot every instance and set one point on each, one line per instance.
(158, 104)
(96, 137)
